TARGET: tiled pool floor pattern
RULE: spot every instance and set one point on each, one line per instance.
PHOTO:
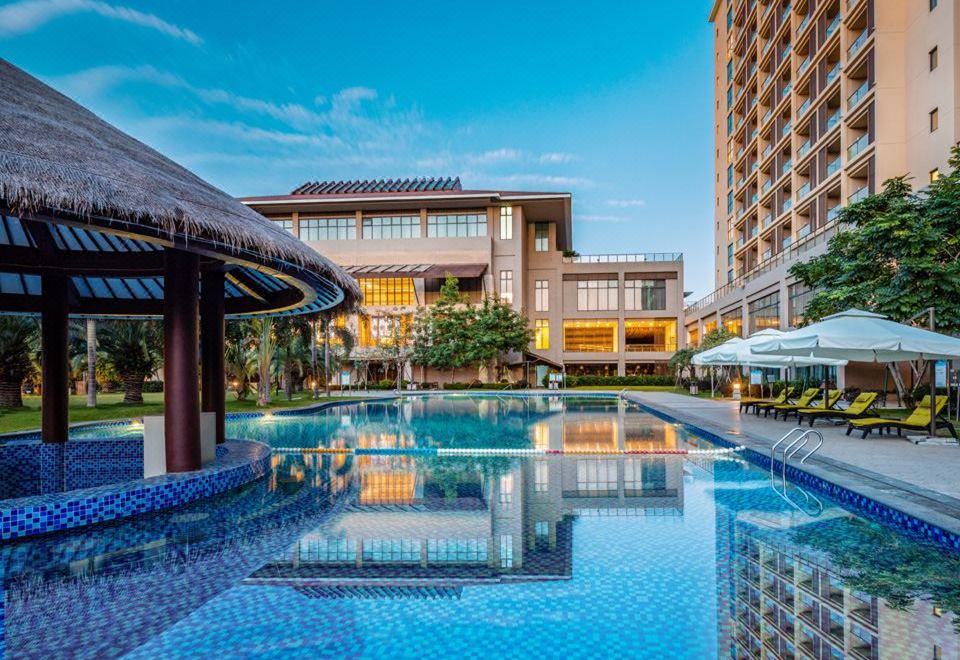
(603, 557)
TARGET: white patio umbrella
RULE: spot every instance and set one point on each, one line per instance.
(707, 357)
(865, 337)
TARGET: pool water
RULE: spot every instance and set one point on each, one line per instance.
(435, 556)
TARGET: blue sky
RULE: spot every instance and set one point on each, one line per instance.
(608, 100)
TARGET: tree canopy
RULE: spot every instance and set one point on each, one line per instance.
(896, 254)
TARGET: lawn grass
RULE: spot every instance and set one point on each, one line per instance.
(110, 406)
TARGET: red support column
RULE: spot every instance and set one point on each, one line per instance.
(212, 388)
(54, 358)
(181, 395)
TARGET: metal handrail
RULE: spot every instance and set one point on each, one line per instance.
(773, 450)
(791, 450)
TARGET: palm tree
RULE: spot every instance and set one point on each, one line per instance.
(18, 339)
(240, 357)
(266, 345)
(133, 350)
(91, 363)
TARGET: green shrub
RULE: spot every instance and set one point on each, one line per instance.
(620, 381)
(153, 386)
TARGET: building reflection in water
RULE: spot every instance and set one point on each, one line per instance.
(780, 595)
(428, 526)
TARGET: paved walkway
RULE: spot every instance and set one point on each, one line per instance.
(916, 479)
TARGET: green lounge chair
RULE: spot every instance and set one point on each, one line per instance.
(919, 420)
(833, 396)
(803, 401)
(752, 402)
(858, 408)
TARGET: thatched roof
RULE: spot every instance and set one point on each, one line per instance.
(56, 155)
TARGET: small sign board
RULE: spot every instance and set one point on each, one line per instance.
(940, 373)
(756, 376)
(344, 379)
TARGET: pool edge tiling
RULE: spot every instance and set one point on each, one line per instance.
(238, 462)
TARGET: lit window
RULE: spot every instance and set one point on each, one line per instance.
(934, 58)
(541, 299)
(328, 229)
(456, 225)
(384, 330)
(646, 335)
(506, 489)
(541, 334)
(732, 321)
(286, 225)
(598, 336)
(387, 291)
(645, 294)
(934, 174)
(396, 226)
(597, 295)
(506, 223)
(506, 551)
(541, 242)
(764, 312)
(506, 286)
(934, 119)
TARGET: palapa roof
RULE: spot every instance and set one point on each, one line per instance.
(61, 167)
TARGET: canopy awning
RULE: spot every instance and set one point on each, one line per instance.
(737, 352)
(863, 337)
(426, 271)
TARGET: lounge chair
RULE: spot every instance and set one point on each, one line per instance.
(858, 408)
(833, 396)
(919, 420)
(752, 402)
(803, 401)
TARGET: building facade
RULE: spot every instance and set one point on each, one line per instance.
(817, 103)
(608, 314)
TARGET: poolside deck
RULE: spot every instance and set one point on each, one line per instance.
(916, 479)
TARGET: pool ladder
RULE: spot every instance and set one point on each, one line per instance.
(811, 505)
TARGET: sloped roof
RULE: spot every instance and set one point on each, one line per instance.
(59, 159)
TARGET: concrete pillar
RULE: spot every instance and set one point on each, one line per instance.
(54, 355)
(212, 393)
(181, 396)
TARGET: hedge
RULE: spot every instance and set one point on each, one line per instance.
(620, 381)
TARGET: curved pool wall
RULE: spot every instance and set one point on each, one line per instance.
(238, 462)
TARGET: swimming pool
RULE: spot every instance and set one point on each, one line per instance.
(659, 556)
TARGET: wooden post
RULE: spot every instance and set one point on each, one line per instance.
(212, 393)
(181, 396)
(55, 399)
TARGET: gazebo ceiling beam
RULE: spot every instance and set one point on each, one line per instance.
(107, 264)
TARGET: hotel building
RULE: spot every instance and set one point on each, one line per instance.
(817, 103)
(608, 314)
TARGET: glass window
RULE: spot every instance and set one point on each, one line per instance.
(383, 330)
(799, 296)
(729, 255)
(328, 229)
(324, 549)
(506, 551)
(933, 4)
(457, 550)
(934, 58)
(286, 224)
(645, 295)
(693, 336)
(387, 291)
(541, 334)
(506, 489)
(764, 312)
(391, 226)
(541, 241)
(506, 223)
(459, 225)
(597, 476)
(541, 476)
(506, 286)
(598, 336)
(597, 295)
(541, 300)
(541, 529)
(404, 550)
(733, 321)
(934, 119)
(645, 335)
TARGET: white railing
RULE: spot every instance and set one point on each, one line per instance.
(622, 258)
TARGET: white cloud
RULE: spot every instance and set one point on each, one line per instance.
(504, 154)
(626, 203)
(28, 15)
(587, 217)
(540, 180)
(557, 157)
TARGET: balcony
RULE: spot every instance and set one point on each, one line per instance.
(753, 232)
(785, 15)
(833, 73)
(786, 166)
(753, 198)
(765, 188)
(833, 119)
(787, 88)
(803, 24)
(834, 24)
(804, 149)
(833, 213)
(739, 243)
(859, 195)
(833, 166)
(803, 108)
(787, 205)
(767, 220)
(858, 43)
(766, 83)
(858, 147)
(803, 232)
(766, 116)
(858, 95)
(803, 191)
(753, 133)
(804, 65)
(785, 52)
(787, 241)
(766, 150)
(786, 129)
(766, 254)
